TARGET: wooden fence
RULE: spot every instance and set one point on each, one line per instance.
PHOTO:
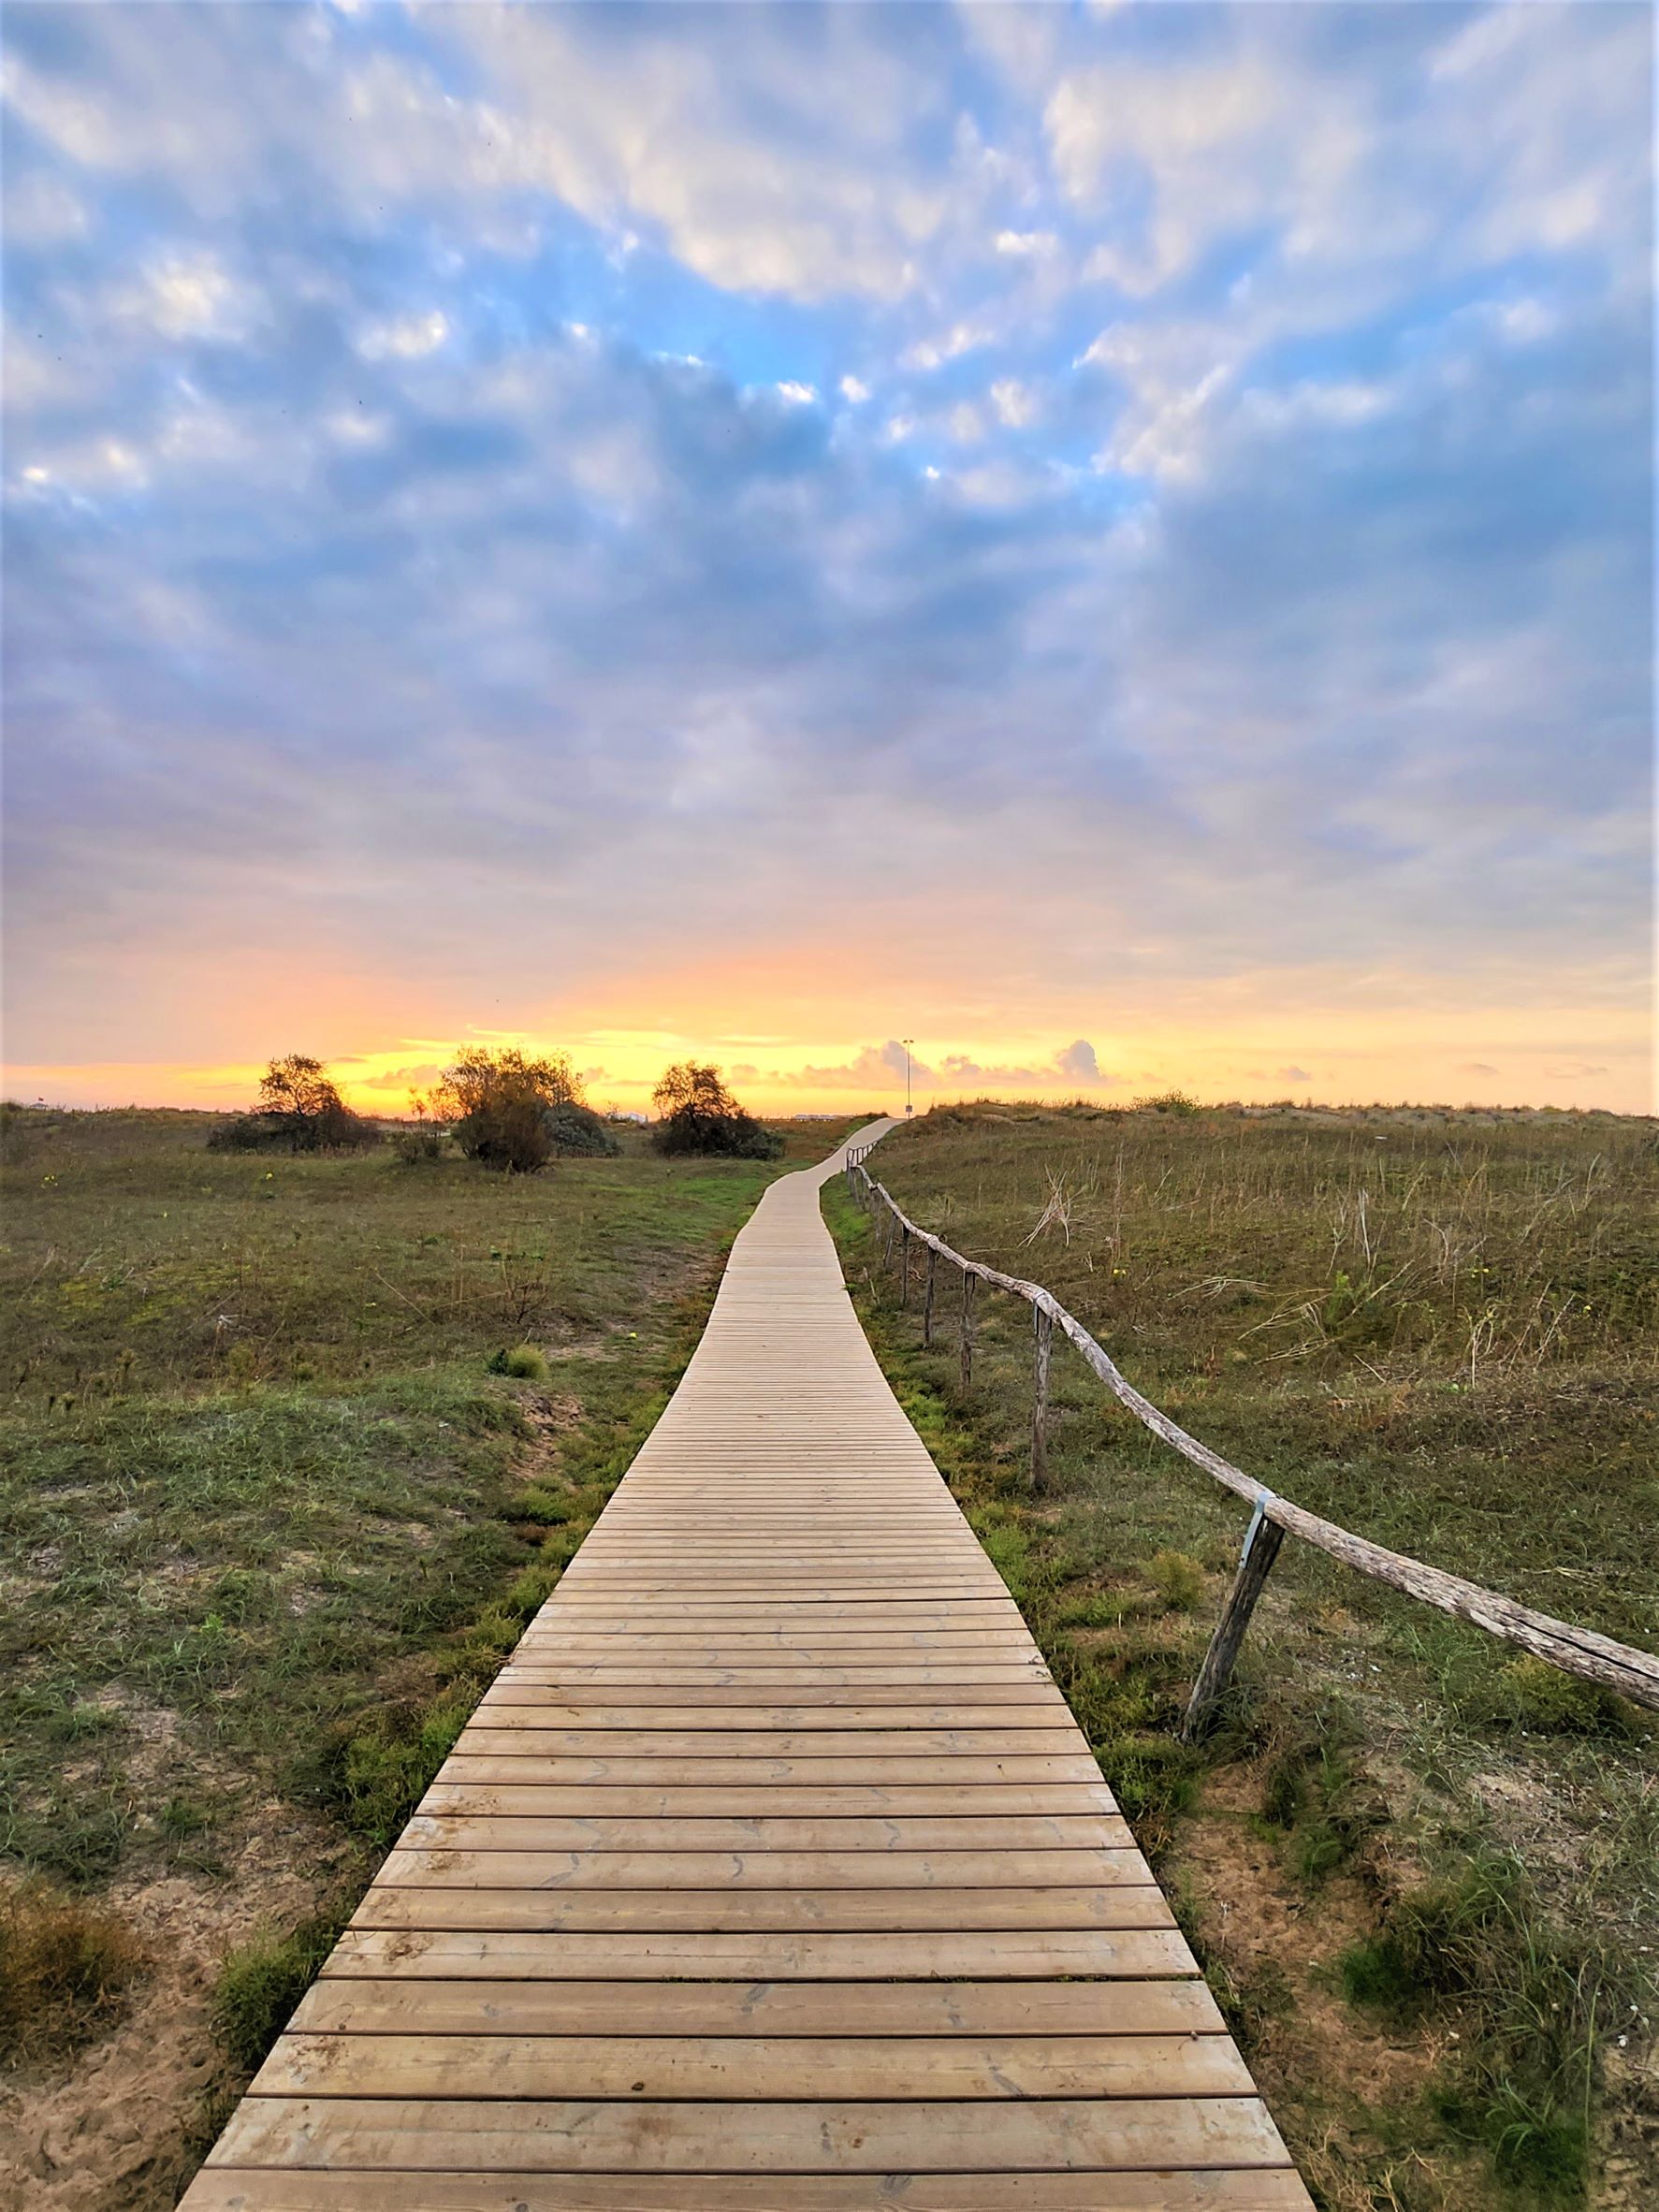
(1577, 1651)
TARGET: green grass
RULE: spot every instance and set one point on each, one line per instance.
(1440, 1330)
(293, 1449)
(264, 1979)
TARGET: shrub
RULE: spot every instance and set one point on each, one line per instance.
(65, 1969)
(511, 1113)
(1175, 1102)
(299, 1110)
(700, 1117)
(417, 1145)
(509, 1135)
(575, 1129)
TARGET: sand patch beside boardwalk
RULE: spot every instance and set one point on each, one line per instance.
(112, 2129)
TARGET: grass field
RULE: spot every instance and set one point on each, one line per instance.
(269, 1521)
(1423, 1872)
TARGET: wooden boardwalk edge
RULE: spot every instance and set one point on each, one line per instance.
(773, 1874)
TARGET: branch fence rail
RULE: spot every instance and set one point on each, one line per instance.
(1632, 1673)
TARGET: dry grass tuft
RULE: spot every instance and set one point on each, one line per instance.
(65, 1969)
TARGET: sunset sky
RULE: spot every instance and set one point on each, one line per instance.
(1115, 542)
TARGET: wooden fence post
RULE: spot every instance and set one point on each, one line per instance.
(1261, 1548)
(968, 1283)
(887, 1243)
(1043, 1330)
(904, 1269)
(927, 1300)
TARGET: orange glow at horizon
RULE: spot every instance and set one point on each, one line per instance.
(1540, 1057)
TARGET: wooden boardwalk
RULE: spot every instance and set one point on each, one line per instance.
(772, 1876)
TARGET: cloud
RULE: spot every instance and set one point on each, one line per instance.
(875, 1067)
(423, 527)
(1075, 1064)
(1079, 1064)
(1293, 1074)
(1015, 402)
(405, 337)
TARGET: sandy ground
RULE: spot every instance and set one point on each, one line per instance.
(111, 2131)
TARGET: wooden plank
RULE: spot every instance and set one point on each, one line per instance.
(795, 1629)
(228, 2190)
(467, 1765)
(569, 1872)
(754, 1909)
(1047, 1710)
(485, 1739)
(810, 1955)
(880, 1685)
(752, 2067)
(571, 2136)
(744, 2008)
(470, 1828)
(777, 1801)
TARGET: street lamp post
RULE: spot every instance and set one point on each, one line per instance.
(907, 1043)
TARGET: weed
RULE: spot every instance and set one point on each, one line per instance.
(1527, 1998)
(65, 1970)
(385, 1763)
(540, 1506)
(1178, 1579)
(1530, 1694)
(260, 1983)
(523, 1362)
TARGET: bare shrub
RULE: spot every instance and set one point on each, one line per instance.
(701, 1117)
(514, 1114)
(299, 1110)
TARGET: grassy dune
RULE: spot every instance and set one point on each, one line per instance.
(269, 1521)
(1422, 1871)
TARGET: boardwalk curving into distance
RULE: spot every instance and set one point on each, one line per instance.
(772, 1876)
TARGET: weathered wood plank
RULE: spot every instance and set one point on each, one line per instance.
(474, 1907)
(571, 2136)
(418, 1867)
(809, 1955)
(761, 2068)
(474, 1827)
(777, 1801)
(744, 2008)
(634, 1766)
(1267, 2189)
(484, 1739)
(521, 1709)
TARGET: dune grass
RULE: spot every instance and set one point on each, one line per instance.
(1441, 1331)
